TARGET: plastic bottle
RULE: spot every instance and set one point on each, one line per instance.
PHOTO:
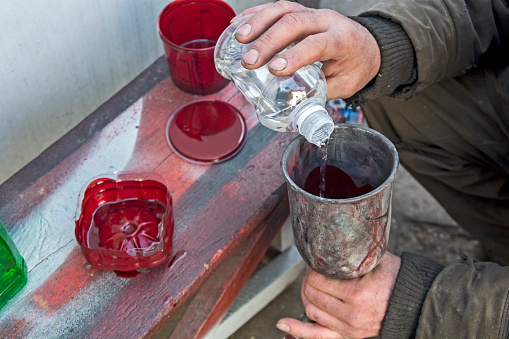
(283, 103)
(13, 269)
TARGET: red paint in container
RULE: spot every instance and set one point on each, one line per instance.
(338, 184)
(125, 221)
(206, 131)
(189, 30)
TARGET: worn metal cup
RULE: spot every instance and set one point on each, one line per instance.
(342, 238)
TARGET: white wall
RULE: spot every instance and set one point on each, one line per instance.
(60, 60)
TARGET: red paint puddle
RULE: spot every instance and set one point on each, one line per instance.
(125, 225)
(127, 274)
(206, 131)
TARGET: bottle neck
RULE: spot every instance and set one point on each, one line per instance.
(312, 121)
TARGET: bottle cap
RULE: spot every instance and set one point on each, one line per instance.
(315, 124)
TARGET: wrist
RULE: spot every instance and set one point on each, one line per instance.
(397, 67)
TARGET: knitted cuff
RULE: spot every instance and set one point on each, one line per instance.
(415, 277)
(397, 66)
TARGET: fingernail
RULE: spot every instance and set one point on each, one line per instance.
(250, 56)
(236, 17)
(278, 64)
(244, 30)
(283, 327)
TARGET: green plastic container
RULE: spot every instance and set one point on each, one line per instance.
(13, 269)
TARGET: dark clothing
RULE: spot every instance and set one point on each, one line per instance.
(442, 97)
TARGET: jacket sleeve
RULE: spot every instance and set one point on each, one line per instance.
(464, 300)
(467, 300)
(449, 37)
(415, 277)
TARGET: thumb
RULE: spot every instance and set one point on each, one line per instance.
(306, 330)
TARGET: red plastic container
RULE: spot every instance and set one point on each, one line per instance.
(189, 30)
(124, 221)
(206, 131)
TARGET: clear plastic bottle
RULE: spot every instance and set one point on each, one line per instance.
(13, 270)
(283, 103)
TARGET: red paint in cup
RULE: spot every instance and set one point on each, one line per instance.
(189, 30)
(338, 184)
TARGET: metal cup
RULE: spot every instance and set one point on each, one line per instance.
(342, 238)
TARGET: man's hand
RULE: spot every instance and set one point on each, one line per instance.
(350, 54)
(345, 308)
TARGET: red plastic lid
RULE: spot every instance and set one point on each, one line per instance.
(206, 131)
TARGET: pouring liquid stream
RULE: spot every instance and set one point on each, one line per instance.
(323, 167)
(331, 182)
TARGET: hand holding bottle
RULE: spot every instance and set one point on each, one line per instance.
(295, 102)
(350, 54)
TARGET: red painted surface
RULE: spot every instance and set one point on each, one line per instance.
(208, 239)
(63, 286)
(214, 298)
(216, 208)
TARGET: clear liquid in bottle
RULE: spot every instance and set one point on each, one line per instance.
(283, 103)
